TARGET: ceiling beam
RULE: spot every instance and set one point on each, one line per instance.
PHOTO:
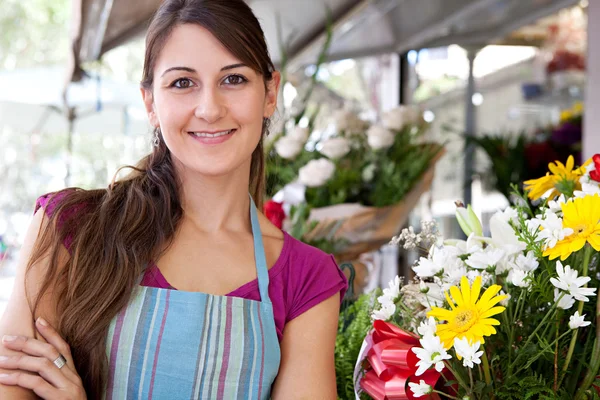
(131, 33)
(501, 33)
(473, 38)
(317, 38)
(96, 14)
(442, 27)
(360, 53)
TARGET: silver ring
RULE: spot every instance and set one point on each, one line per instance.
(60, 362)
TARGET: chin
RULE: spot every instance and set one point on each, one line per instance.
(213, 168)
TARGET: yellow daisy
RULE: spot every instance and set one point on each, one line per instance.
(582, 215)
(562, 179)
(469, 317)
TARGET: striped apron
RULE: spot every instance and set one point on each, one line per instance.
(170, 344)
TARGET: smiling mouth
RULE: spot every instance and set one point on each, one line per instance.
(212, 135)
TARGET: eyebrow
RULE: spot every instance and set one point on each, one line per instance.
(191, 70)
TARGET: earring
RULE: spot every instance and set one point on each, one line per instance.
(156, 139)
(265, 127)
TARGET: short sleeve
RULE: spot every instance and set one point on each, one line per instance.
(314, 283)
(49, 202)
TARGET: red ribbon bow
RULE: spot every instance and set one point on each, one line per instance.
(393, 364)
(595, 174)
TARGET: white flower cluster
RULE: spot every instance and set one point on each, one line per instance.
(420, 389)
(570, 287)
(397, 118)
(316, 172)
(291, 145)
(433, 354)
(335, 148)
(387, 301)
(588, 185)
(469, 352)
(429, 235)
(347, 123)
(502, 253)
(548, 227)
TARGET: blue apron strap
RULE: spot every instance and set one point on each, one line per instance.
(262, 270)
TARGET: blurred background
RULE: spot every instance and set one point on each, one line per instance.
(504, 84)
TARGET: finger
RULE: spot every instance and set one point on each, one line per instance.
(30, 346)
(34, 382)
(56, 340)
(44, 367)
(37, 348)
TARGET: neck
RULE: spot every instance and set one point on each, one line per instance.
(216, 203)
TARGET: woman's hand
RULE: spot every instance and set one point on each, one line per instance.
(37, 365)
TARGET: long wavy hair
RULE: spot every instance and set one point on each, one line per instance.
(115, 232)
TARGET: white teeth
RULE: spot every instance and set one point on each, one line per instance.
(212, 135)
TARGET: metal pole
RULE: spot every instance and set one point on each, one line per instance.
(591, 136)
(470, 128)
(403, 78)
(71, 116)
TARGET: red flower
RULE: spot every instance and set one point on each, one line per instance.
(274, 212)
(595, 174)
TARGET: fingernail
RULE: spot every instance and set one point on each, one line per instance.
(8, 338)
(3, 358)
(4, 376)
(42, 321)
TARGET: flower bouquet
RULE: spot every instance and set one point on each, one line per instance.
(510, 315)
(360, 182)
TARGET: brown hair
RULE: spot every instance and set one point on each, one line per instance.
(120, 229)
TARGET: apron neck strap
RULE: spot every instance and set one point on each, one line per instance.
(262, 270)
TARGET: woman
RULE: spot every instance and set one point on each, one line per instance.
(255, 312)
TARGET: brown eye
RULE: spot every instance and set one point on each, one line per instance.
(235, 80)
(182, 83)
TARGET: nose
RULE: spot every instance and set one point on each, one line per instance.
(210, 106)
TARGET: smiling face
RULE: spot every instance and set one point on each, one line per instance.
(208, 105)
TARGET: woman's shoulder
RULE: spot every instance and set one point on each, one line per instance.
(52, 200)
(74, 196)
(67, 208)
(299, 251)
(311, 276)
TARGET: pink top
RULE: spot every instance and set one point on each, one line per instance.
(302, 277)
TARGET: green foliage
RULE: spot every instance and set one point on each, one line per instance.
(280, 171)
(534, 387)
(507, 157)
(301, 227)
(354, 324)
(400, 167)
(344, 187)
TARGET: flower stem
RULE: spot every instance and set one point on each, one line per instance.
(459, 378)
(556, 356)
(446, 395)
(471, 381)
(541, 353)
(548, 314)
(586, 261)
(486, 368)
(512, 332)
(594, 364)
